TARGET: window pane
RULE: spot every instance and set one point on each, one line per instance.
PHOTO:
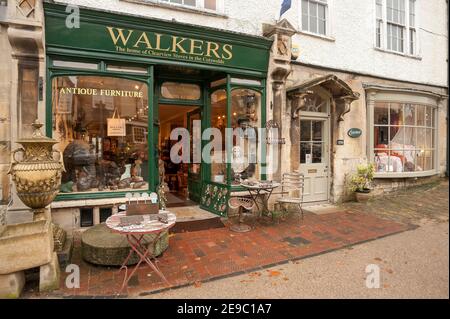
(379, 9)
(421, 139)
(305, 22)
(396, 114)
(317, 131)
(180, 91)
(381, 113)
(430, 138)
(421, 115)
(305, 131)
(96, 157)
(317, 153)
(322, 27)
(429, 116)
(313, 17)
(381, 136)
(219, 121)
(129, 69)
(410, 114)
(77, 65)
(190, 3)
(313, 24)
(378, 41)
(210, 4)
(246, 115)
(412, 43)
(305, 153)
(389, 36)
(322, 12)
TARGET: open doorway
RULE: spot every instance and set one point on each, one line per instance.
(178, 178)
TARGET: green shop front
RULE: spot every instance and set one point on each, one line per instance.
(119, 85)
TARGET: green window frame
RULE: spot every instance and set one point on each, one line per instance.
(85, 67)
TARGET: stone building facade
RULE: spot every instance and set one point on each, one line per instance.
(347, 84)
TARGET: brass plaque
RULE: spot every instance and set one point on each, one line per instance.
(312, 171)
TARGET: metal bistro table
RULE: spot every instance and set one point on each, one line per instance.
(264, 189)
(135, 235)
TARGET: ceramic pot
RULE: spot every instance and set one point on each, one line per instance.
(363, 196)
(38, 175)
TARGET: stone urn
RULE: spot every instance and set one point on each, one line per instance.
(37, 175)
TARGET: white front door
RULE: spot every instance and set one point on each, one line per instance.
(314, 158)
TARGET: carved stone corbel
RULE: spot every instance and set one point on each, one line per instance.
(347, 101)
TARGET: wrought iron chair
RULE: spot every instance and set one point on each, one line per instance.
(292, 187)
(241, 203)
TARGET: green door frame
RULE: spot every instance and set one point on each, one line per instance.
(159, 100)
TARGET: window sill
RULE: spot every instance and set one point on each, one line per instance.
(415, 57)
(179, 7)
(318, 36)
(405, 174)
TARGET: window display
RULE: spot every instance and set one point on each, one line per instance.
(100, 123)
(245, 109)
(403, 137)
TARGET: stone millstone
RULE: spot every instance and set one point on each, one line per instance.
(100, 246)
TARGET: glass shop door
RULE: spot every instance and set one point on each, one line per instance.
(195, 167)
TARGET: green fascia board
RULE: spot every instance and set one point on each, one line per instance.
(250, 53)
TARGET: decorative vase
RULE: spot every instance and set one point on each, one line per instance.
(37, 176)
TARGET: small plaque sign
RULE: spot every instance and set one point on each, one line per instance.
(354, 132)
(340, 142)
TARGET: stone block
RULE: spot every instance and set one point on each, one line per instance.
(26, 246)
(49, 275)
(11, 285)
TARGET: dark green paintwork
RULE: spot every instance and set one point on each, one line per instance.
(249, 53)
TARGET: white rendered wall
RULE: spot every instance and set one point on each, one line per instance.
(350, 45)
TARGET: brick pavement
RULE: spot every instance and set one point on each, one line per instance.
(201, 256)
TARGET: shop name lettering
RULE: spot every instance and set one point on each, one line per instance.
(101, 92)
(169, 46)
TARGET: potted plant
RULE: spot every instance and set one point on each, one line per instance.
(360, 182)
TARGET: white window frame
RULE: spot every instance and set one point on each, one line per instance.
(399, 96)
(327, 18)
(407, 27)
(199, 5)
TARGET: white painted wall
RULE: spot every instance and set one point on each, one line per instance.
(350, 45)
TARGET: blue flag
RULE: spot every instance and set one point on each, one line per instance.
(285, 6)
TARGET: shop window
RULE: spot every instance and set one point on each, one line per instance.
(180, 91)
(98, 122)
(404, 137)
(28, 81)
(219, 122)
(218, 83)
(245, 121)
